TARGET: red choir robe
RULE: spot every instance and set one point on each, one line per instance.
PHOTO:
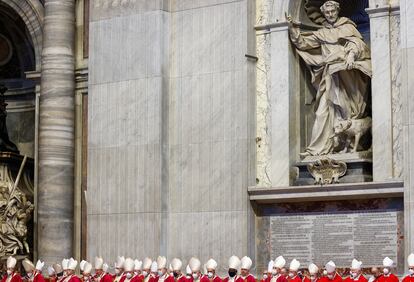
(166, 278)
(278, 277)
(72, 278)
(408, 278)
(360, 278)
(248, 278)
(15, 278)
(294, 279)
(388, 278)
(123, 278)
(307, 279)
(106, 277)
(336, 278)
(151, 278)
(182, 278)
(38, 277)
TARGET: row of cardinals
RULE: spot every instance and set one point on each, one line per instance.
(129, 270)
(275, 272)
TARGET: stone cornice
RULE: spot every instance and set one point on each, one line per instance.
(326, 192)
(382, 11)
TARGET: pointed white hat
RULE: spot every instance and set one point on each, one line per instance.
(280, 262)
(120, 262)
(356, 264)
(270, 266)
(410, 260)
(234, 262)
(162, 262)
(154, 266)
(313, 269)
(50, 270)
(246, 263)
(82, 265)
(129, 264)
(72, 264)
(11, 262)
(188, 270)
(105, 267)
(98, 262)
(294, 265)
(65, 264)
(137, 264)
(147, 263)
(40, 265)
(194, 264)
(330, 266)
(27, 265)
(176, 264)
(387, 262)
(211, 264)
(87, 268)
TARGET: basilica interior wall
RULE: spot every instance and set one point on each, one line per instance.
(171, 129)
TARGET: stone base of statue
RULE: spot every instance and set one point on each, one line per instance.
(16, 205)
(359, 168)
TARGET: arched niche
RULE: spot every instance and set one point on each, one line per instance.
(31, 12)
(21, 33)
(308, 13)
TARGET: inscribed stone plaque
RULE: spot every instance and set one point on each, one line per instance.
(318, 238)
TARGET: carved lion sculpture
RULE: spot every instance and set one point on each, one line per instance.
(351, 129)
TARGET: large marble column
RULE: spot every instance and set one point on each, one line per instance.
(56, 132)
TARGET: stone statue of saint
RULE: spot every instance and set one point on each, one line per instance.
(340, 66)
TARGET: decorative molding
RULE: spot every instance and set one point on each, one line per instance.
(327, 192)
(378, 12)
(326, 170)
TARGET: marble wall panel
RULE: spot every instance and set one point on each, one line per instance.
(171, 104)
(125, 132)
(126, 48)
(107, 9)
(210, 131)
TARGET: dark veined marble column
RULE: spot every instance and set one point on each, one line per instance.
(56, 133)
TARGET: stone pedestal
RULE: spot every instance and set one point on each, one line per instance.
(359, 168)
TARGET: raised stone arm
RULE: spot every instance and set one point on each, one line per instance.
(293, 25)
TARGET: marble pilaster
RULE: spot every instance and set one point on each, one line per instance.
(382, 142)
(407, 88)
(56, 133)
(282, 105)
